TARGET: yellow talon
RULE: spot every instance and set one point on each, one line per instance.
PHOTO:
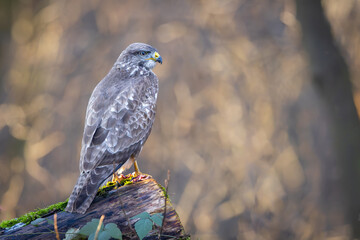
(116, 178)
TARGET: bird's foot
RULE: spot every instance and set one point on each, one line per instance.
(117, 178)
(137, 173)
(138, 176)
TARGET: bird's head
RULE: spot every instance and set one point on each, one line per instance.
(141, 54)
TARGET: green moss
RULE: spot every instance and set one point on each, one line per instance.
(185, 238)
(103, 190)
(31, 216)
(128, 179)
(164, 191)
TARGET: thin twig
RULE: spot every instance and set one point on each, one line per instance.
(166, 193)
(56, 227)
(114, 173)
(177, 237)
(126, 216)
(49, 229)
(99, 226)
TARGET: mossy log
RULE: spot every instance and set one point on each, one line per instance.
(118, 206)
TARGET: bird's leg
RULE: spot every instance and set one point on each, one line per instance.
(138, 176)
(136, 167)
(116, 178)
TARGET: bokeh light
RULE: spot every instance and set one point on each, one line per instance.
(238, 122)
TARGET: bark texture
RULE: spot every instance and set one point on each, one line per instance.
(143, 196)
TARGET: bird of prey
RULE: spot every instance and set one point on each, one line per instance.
(119, 118)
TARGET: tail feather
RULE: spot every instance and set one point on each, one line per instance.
(86, 188)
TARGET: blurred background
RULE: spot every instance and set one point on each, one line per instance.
(256, 116)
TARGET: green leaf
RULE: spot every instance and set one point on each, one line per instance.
(143, 215)
(50, 221)
(37, 221)
(113, 230)
(157, 218)
(92, 236)
(104, 235)
(90, 227)
(143, 227)
(71, 233)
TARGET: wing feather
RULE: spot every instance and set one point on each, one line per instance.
(117, 119)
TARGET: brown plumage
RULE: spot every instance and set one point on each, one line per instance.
(118, 121)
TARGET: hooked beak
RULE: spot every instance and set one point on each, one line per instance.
(159, 59)
(156, 58)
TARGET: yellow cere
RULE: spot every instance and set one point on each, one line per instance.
(156, 55)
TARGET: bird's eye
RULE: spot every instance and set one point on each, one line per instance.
(142, 53)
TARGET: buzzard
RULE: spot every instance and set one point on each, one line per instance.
(119, 118)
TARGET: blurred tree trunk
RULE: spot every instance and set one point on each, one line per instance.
(5, 38)
(331, 80)
(10, 147)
